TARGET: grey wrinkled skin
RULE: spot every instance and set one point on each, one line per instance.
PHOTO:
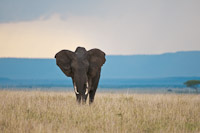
(84, 67)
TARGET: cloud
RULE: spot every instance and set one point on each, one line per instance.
(41, 28)
(39, 38)
(28, 10)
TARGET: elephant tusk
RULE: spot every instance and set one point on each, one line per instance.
(75, 89)
(87, 85)
(86, 92)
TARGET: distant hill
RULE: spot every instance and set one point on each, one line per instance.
(179, 64)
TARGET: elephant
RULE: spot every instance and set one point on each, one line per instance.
(84, 67)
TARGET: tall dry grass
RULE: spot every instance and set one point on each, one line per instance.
(37, 111)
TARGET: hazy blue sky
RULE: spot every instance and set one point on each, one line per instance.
(40, 28)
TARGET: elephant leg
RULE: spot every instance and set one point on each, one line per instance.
(91, 96)
(84, 99)
(78, 99)
(94, 88)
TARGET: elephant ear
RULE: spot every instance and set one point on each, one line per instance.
(96, 58)
(63, 60)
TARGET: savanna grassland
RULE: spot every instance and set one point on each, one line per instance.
(40, 111)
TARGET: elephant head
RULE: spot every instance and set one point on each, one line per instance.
(84, 68)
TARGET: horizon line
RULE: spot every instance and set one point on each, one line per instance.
(106, 55)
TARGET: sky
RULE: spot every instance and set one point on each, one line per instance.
(41, 28)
